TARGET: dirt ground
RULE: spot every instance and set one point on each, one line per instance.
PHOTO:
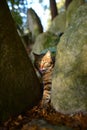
(47, 118)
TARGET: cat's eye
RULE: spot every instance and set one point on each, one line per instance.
(42, 61)
(48, 64)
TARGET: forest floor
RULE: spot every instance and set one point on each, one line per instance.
(39, 118)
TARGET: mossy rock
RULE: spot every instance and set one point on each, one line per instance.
(69, 83)
(44, 42)
(58, 24)
(74, 5)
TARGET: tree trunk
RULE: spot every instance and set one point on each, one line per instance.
(67, 2)
(53, 9)
(19, 85)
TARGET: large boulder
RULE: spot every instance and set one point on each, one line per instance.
(19, 85)
(73, 6)
(34, 23)
(69, 83)
(58, 24)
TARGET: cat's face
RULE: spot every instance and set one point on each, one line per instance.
(43, 62)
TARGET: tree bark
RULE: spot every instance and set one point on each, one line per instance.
(53, 9)
(19, 85)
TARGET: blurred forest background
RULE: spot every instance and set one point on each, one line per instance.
(43, 9)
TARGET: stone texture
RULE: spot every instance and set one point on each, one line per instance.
(19, 85)
(34, 23)
(58, 24)
(45, 41)
(69, 84)
(74, 5)
(41, 124)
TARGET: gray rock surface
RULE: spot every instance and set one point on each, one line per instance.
(58, 25)
(43, 125)
(34, 23)
(69, 84)
(74, 5)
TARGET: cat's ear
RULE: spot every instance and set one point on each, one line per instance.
(48, 54)
(35, 55)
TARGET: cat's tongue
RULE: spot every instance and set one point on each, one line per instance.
(42, 70)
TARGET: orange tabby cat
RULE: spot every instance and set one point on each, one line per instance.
(44, 63)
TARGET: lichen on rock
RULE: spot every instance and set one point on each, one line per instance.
(69, 84)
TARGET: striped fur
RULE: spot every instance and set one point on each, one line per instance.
(44, 63)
